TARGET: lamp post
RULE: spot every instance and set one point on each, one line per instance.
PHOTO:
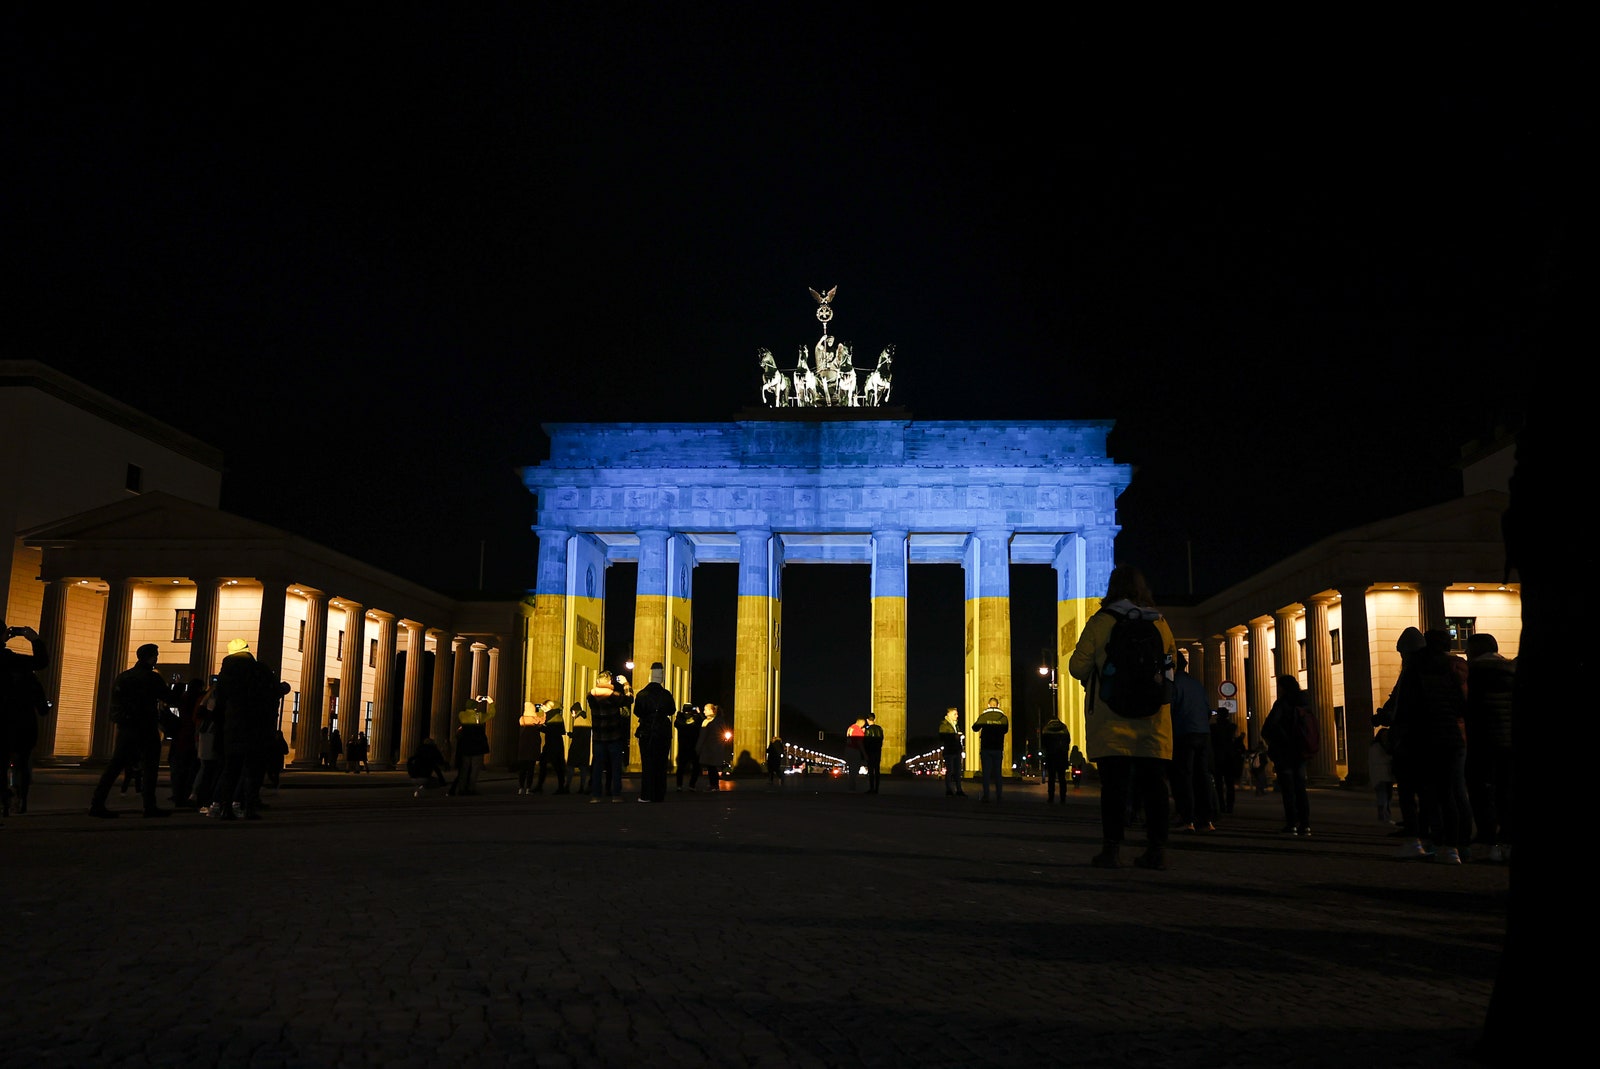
(1048, 671)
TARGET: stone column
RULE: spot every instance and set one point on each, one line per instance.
(1235, 671)
(115, 658)
(203, 642)
(269, 626)
(380, 740)
(1324, 766)
(987, 563)
(480, 671)
(754, 630)
(352, 668)
(548, 654)
(1215, 658)
(1263, 688)
(1432, 605)
(1288, 645)
(313, 668)
(889, 676)
(1073, 606)
(502, 729)
(650, 605)
(462, 658)
(1357, 665)
(443, 669)
(53, 633)
(413, 710)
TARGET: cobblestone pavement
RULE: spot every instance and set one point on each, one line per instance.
(807, 926)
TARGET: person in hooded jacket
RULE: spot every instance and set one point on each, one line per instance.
(1056, 743)
(711, 749)
(1130, 754)
(530, 743)
(580, 728)
(472, 745)
(1433, 702)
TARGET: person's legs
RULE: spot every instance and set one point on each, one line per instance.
(1302, 801)
(150, 761)
(1150, 780)
(1114, 774)
(1182, 778)
(559, 760)
(123, 754)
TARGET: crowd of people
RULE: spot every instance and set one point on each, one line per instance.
(1439, 758)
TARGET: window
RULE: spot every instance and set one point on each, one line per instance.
(1305, 665)
(294, 721)
(1461, 628)
(297, 705)
(135, 479)
(301, 642)
(1338, 646)
(338, 651)
(183, 625)
(368, 727)
(1340, 747)
(372, 653)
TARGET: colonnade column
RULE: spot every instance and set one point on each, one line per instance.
(756, 634)
(1072, 612)
(114, 660)
(1215, 667)
(1262, 686)
(1234, 671)
(444, 658)
(547, 638)
(1356, 659)
(352, 664)
(1324, 764)
(502, 730)
(987, 564)
(53, 633)
(1288, 662)
(413, 713)
(460, 686)
(313, 669)
(889, 677)
(203, 638)
(269, 625)
(380, 741)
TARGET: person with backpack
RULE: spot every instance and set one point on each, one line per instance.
(1124, 659)
(1288, 746)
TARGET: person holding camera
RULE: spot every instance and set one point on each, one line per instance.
(22, 702)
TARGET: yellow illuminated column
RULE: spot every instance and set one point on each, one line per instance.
(313, 666)
(547, 655)
(1074, 606)
(1319, 678)
(680, 619)
(889, 641)
(381, 742)
(439, 711)
(413, 711)
(754, 693)
(987, 564)
(586, 615)
(650, 604)
(114, 660)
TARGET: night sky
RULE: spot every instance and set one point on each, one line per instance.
(366, 257)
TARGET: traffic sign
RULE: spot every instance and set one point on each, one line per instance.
(1227, 689)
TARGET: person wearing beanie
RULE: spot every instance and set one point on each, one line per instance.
(654, 707)
(138, 698)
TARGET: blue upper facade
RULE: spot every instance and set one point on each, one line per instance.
(826, 486)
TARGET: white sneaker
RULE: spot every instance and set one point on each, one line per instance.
(1447, 855)
(1411, 849)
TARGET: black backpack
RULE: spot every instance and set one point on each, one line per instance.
(1135, 682)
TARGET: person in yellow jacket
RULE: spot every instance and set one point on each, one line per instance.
(1132, 753)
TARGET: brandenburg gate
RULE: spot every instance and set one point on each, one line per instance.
(768, 493)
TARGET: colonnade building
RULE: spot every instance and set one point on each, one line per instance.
(118, 541)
